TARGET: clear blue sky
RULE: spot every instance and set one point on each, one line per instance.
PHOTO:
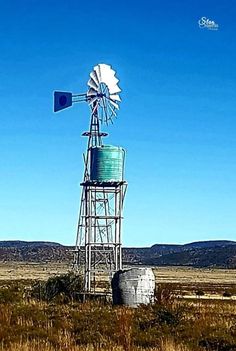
(177, 119)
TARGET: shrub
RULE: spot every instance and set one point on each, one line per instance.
(64, 288)
(227, 294)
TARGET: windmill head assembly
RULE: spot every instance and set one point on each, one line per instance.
(98, 238)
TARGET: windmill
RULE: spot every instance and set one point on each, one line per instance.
(98, 237)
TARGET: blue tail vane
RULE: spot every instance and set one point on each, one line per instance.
(62, 100)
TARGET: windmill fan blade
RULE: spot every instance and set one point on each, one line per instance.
(112, 110)
(92, 100)
(115, 97)
(104, 92)
(92, 92)
(92, 84)
(114, 89)
(107, 75)
(105, 66)
(112, 82)
(96, 70)
(93, 75)
(105, 71)
(114, 104)
(99, 74)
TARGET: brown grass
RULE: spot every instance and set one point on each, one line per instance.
(179, 320)
(38, 346)
(170, 324)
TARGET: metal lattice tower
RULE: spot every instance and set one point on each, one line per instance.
(98, 238)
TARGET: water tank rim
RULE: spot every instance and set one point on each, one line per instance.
(107, 147)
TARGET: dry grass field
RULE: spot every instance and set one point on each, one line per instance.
(31, 271)
(194, 310)
(168, 325)
(185, 280)
(42, 271)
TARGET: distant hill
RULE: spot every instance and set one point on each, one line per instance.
(34, 251)
(218, 253)
(20, 243)
(210, 244)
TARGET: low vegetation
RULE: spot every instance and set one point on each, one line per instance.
(65, 287)
(55, 319)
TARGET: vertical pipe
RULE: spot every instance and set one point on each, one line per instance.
(116, 238)
(94, 209)
(86, 240)
(120, 223)
(89, 240)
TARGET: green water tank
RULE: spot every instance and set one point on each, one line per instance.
(107, 163)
